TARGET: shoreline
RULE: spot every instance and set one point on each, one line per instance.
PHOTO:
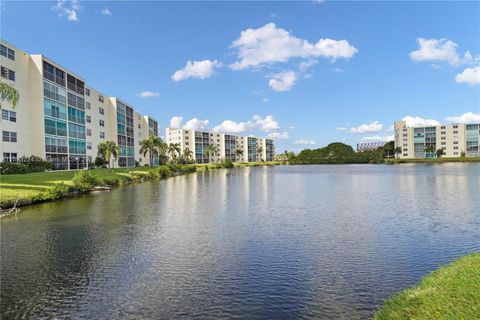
(21, 190)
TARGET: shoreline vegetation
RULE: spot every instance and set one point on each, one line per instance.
(450, 292)
(18, 190)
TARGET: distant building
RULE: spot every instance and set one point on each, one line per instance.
(252, 149)
(366, 146)
(453, 139)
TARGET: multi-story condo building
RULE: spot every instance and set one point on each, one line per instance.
(251, 148)
(366, 146)
(60, 118)
(454, 139)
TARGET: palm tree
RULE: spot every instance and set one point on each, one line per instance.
(210, 151)
(259, 151)
(111, 150)
(174, 149)
(151, 145)
(440, 153)
(188, 154)
(8, 93)
(429, 149)
(398, 150)
(239, 153)
(102, 150)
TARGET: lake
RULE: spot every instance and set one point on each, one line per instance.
(301, 242)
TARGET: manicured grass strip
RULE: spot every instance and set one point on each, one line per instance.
(451, 292)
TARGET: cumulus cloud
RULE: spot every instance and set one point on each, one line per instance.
(148, 94)
(106, 12)
(469, 76)
(176, 122)
(196, 69)
(468, 117)
(419, 122)
(436, 50)
(378, 138)
(269, 44)
(283, 81)
(266, 124)
(374, 126)
(67, 9)
(196, 124)
(278, 135)
(304, 142)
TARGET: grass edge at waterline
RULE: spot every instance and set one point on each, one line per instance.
(450, 292)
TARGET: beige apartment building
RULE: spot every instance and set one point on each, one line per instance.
(252, 149)
(60, 118)
(454, 139)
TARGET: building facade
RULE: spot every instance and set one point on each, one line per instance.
(454, 139)
(228, 146)
(367, 146)
(60, 118)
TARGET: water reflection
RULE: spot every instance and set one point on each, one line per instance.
(292, 242)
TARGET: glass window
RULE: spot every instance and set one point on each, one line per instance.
(101, 110)
(8, 115)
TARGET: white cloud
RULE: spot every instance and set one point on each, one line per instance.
(196, 124)
(374, 126)
(468, 117)
(469, 76)
(67, 9)
(283, 81)
(196, 69)
(269, 44)
(377, 138)
(341, 128)
(234, 127)
(176, 122)
(419, 122)
(278, 135)
(106, 12)
(266, 124)
(304, 142)
(148, 94)
(436, 50)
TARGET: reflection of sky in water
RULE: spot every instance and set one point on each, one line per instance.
(289, 241)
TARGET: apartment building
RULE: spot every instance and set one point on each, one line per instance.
(367, 146)
(62, 119)
(251, 148)
(454, 139)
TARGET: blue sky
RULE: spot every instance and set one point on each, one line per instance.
(306, 73)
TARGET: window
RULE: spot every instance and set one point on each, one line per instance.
(8, 115)
(75, 115)
(87, 92)
(89, 119)
(100, 98)
(56, 145)
(101, 110)
(455, 148)
(101, 123)
(56, 128)
(54, 109)
(53, 74)
(87, 105)
(455, 132)
(76, 131)
(7, 73)
(443, 127)
(54, 92)
(89, 132)
(443, 143)
(75, 84)
(8, 136)
(443, 132)
(455, 127)
(102, 135)
(10, 156)
(76, 101)
(455, 142)
(7, 52)
(139, 126)
(89, 146)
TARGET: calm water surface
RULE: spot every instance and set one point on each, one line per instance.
(328, 242)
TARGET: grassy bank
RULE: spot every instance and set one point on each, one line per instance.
(451, 292)
(433, 160)
(37, 187)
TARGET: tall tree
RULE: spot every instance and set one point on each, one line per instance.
(398, 150)
(239, 153)
(151, 145)
(188, 154)
(211, 150)
(111, 150)
(259, 151)
(8, 93)
(174, 149)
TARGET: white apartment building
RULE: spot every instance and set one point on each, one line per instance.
(454, 139)
(252, 149)
(60, 118)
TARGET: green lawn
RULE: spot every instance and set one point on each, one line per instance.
(451, 292)
(433, 160)
(23, 186)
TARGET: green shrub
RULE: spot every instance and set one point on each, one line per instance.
(83, 181)
(173, 167)
(163, 172)
(57, 191)
(35, 164)
(12, 168)
(110, 181)
(227, 163)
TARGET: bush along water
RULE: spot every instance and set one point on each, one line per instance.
(25, 165)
